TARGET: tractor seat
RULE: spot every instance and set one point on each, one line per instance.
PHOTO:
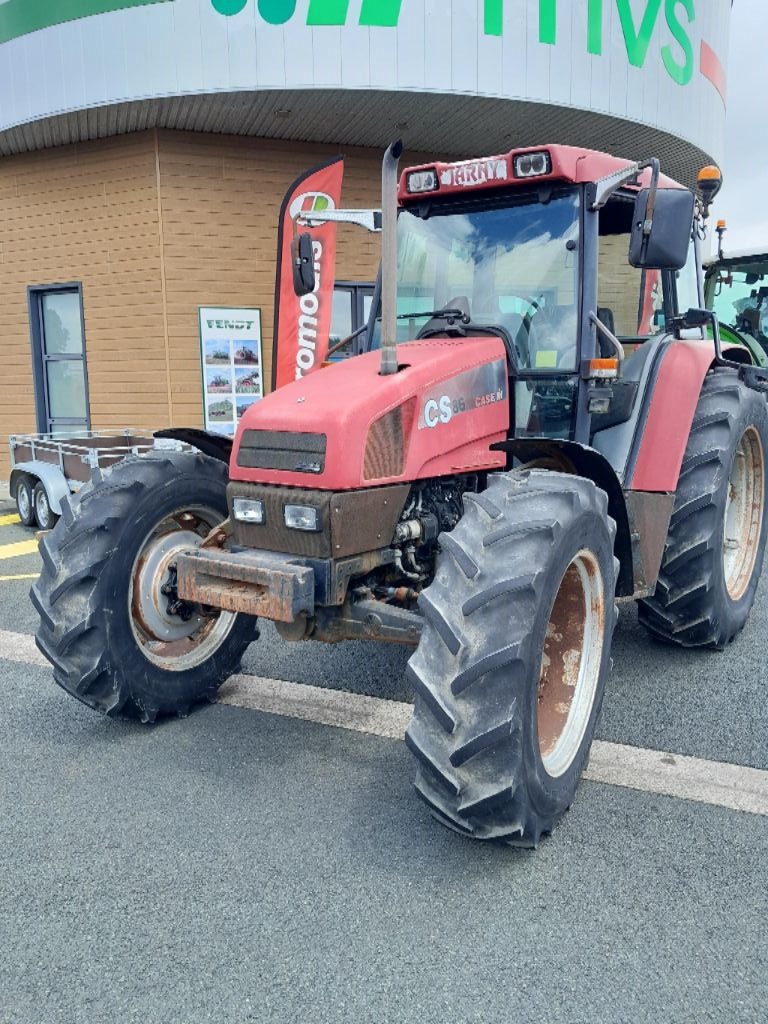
(552, 338)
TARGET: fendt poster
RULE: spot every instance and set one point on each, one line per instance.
(230, 343)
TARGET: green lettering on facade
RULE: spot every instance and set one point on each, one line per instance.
(637, 41)
(548, 21)
(277, 12)
(680, 73)
(229, 7)
(327, 12)
(383, 13)
(595, 27)
(494, 17)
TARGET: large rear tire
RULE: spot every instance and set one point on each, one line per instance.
(714, 551)
(110, 621)
(510, 670)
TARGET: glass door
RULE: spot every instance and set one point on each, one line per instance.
(58, 343)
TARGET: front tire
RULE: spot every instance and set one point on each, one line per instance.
(714, 552)
(510, 670)
(111, 624)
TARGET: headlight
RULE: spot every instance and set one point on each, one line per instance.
(422, 181)
(531, 165)
(247, 511)
(302, 517)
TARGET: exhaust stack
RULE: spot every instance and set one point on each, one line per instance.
(389, 259)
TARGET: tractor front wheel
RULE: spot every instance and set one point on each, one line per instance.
(111, 622)
(716, 542)
(510, 670)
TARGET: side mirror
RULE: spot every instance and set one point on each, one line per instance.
(667, 245)
(303, 261)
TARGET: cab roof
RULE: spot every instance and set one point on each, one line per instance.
(566, 163)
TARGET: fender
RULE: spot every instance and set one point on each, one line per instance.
(215, 446)
(572, 457)
(658, 455)
(49, 475)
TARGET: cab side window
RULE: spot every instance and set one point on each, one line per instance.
(630, 301)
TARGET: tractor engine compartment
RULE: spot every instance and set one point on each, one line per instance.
(357, 573)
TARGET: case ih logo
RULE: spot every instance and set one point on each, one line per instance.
(311, 202)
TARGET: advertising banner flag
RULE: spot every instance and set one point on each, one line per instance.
(302, 325)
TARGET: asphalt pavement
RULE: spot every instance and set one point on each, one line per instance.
(236, 866)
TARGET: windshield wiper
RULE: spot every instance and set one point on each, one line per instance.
(436, 314)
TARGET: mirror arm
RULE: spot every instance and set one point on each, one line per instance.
(605, 187)
(651, 206)
(369, 219)
(609, 336)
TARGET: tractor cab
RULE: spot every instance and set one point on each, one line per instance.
(736, 288)
(545, 249)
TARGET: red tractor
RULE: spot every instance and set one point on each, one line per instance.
(536, 424)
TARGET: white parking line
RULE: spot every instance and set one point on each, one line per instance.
(650, 771)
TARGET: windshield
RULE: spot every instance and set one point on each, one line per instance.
(740, 299)
(514, 267)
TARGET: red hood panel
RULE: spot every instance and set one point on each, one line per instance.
(455, 404)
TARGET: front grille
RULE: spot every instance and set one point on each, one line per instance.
(284, 450)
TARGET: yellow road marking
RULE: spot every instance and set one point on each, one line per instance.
(23, 547)
(23, 576)
(7, 520)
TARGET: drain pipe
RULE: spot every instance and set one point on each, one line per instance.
(389, 259)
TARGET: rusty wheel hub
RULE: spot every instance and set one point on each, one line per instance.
(173, 634)
(743, 514)
(570, 663)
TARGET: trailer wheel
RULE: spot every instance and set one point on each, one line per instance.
(111, 622)
(24, 503)
(714, 551)
(510, 670)
(45, 516)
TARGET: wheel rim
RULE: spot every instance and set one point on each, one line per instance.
(42, 507)
(23, 501)
(743, 513)
(180, 640)
(570, 663)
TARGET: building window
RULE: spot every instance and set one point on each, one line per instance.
(351, 310)
(58, 358)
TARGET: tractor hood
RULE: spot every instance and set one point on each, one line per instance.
(346, 426)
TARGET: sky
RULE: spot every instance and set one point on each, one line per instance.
(743, 201)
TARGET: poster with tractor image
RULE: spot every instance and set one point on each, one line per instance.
(231, 356)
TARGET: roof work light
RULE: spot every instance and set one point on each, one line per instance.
(532, 165)
(422, 181)
(709, 182)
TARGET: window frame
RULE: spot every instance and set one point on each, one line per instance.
(46, 424)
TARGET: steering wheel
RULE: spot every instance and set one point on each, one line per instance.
(524, 331)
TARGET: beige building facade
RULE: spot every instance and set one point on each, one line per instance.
(149, 227)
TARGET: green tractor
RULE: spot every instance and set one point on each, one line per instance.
(736, 288)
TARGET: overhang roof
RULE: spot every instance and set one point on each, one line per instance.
(448, 125)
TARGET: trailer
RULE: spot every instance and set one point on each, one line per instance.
(47, 468)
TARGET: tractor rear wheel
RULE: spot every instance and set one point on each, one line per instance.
(510, 670)
(714, 551)
(111, 623)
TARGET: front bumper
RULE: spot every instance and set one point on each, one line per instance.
(255, 583)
